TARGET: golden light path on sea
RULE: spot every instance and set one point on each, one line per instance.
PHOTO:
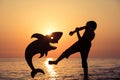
(50, 68)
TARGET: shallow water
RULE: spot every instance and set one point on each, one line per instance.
(67, 69)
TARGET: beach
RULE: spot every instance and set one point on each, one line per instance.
(67, 69)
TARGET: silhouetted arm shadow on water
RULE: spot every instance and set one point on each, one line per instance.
(83, 45)
(42, 46)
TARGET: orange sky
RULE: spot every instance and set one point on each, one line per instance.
(19, 19)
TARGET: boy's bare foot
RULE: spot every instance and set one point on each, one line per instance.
(53, 62)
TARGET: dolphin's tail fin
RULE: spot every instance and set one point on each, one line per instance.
(35, 71)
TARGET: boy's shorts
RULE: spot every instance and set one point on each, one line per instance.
(83, 48)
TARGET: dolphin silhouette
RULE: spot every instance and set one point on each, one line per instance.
(42, 46)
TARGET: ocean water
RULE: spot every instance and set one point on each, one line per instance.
(67, 69)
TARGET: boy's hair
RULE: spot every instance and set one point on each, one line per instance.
(92, 24)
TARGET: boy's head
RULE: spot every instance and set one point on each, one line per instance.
(92, 24)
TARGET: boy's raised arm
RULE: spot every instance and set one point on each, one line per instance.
(76, 30)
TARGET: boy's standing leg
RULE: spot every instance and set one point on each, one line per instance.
(84, 55)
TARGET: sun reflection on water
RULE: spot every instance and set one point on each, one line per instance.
(50, 68)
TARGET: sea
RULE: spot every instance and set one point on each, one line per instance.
(67, 69)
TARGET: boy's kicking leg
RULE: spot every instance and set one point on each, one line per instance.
(66, 53)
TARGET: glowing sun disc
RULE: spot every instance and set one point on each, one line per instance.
(49, 32)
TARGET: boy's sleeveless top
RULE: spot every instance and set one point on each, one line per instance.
(88, 35)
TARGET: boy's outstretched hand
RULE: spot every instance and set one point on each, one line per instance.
(71, 33)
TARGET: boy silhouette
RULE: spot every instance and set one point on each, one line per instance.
(83, 45)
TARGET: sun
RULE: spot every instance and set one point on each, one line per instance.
(48, 32)
(48, 29)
